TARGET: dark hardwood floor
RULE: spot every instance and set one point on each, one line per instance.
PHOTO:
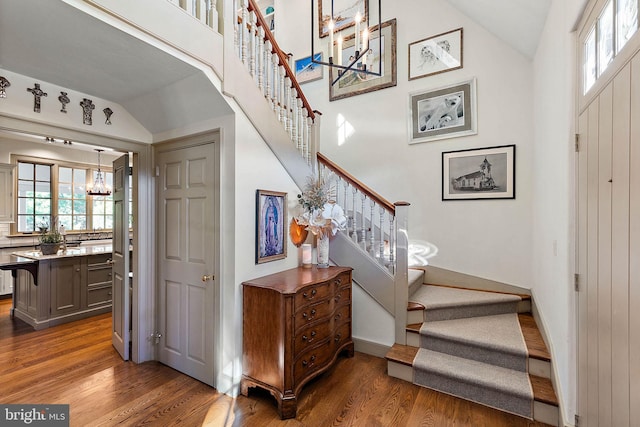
(75, 364)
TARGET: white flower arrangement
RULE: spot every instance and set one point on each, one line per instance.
(321, 214)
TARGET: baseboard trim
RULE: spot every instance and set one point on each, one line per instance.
(370, 347)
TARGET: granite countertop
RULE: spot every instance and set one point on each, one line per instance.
(70, 252)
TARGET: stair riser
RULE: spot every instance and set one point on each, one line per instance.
(400, 371)
(545, 413)
(540, 368)
(481, 354)
(477, 393)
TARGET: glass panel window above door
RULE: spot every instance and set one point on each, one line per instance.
(590, 60)
(605, 38)
(627, 21)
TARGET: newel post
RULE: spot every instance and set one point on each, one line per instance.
(401, 281)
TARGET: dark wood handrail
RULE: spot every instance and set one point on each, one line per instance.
(284, 59)
(359, 185)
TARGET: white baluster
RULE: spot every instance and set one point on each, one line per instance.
(392, 241)
(372, 237)
(268, 70)
(212, 14)
(300, 128)
(244, 31)
(382, 211)
(281, 84)
(260, 58)
(293, 106)
(286, 104)
(308, 125)
(363, 239)
(354, 222)
(254, 43)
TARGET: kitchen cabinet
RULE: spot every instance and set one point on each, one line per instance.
(6, 193)
(295, 323)
(71, 286)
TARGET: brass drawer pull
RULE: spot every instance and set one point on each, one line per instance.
(310, 363)
(306, 338)
(338, 282)
(337, 298)
(337, 338)
(338, 317)
(313, 294)
(309, 317)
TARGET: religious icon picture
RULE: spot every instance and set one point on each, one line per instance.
(271, 218)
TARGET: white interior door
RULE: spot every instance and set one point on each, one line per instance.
(121, 330)
(186, 225)
(608, 256)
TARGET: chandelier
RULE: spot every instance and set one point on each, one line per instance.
(352, 22)
(99, 188)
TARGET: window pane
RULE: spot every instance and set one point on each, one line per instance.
(65, 207)
(627, 21)
(43, 173)
(108, 223)
(79, 176)
(65, 220)
(25, 223)
(79, 191)
(25, 188)
(64, 191)
(79, 207)
(605, 38)
(79, 222)
(43, 189)
(64, 174)
(43, 206)
(98, 207)
(98, 222)
(590, 60)
(25, 171)
(25, 206)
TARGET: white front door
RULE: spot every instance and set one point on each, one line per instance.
(186, 232)
(121, 331)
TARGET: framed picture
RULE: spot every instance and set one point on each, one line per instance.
(344, 13)
(446, 112)
(307, 71)
(271, 217)
(480, 173)
(436, 54)
(355, 82)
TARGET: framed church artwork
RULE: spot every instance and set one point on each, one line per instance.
(271, 218)
(479, 173)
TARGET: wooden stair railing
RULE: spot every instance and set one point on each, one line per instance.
(379, 228)
(269, 66)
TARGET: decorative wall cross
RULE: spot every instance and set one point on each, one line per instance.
(64, 100)
(37, 94)
(108, 112)
(4, 83)
(87, 111)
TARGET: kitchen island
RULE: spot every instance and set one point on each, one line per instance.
(73, 284)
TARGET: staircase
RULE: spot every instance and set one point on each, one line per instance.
(481, 346)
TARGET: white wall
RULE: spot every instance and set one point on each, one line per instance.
(491, 238)
(553, 191)
(19, 103)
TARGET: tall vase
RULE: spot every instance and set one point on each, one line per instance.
(323, 251)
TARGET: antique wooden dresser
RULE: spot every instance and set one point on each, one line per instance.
(296, 323)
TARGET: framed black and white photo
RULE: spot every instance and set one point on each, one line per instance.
(436, 54)
(344, 14)
(480, 173)
(308, 71)
(446, 112)
(271, 217)
(381, 57)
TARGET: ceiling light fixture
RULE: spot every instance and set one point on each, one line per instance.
(99, 188)
(360, 52)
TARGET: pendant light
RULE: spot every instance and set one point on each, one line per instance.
(99, 188)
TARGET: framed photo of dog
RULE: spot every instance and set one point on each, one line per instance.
(446, 112)
(436, 54)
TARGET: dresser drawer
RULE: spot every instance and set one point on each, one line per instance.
(343, 296)
(310, 336)
(312, 294)
(312, 313)
(342, 314)
(313, 360)
(342, 335)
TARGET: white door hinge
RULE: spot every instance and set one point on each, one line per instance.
(576, 420)
(577, 142)
(156, 337)
(576, 282)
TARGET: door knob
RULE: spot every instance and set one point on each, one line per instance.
(206, 278)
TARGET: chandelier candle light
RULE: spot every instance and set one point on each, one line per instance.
(99, 188)
(358, 61)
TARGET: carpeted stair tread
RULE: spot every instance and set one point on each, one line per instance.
(493, 339)
(443, 302)
(415, 275)
(501, 388)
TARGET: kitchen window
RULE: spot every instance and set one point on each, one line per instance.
(58, 190)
